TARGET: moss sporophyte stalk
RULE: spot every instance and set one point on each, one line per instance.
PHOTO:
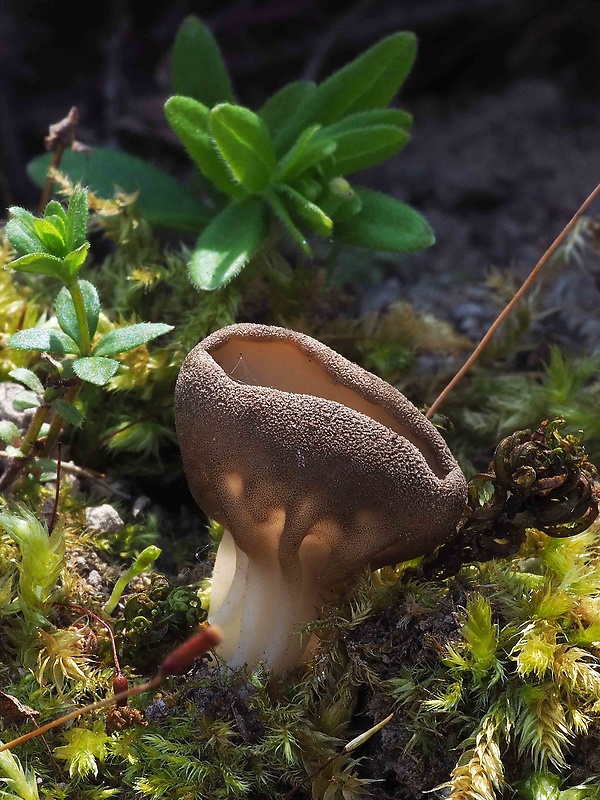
(370, 595)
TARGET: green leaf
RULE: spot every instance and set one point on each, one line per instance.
(162, 201)
(67, 316)
(73, 263)
(58, 223)
(368, 119)
(91, 304)
(384, 223)
(228, 243)
(278, 109)
(50, 341)
(67, 410)
(8, 431)
(316, 218)
(198, 67)
(307, 151)
(26, 399)
(189, 120)
(55, 209)
(50, 236)
(363, 148)
(77, 218)
(21, 233)
(13, 452)
(283, 215)
(93, 369)
(40, 264)
(245, 143)
(48, 475)
(27, 378)
(122, 339)
(370, 81)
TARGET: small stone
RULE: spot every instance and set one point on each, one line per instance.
(103, 519)
(94, 578)
(8, 412)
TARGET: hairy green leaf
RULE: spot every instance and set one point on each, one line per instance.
(278, 108)
(94, 369)
(316, 218)
(46, 339)
(283, 215)
(363, 148)
(368, 119)
(307, 151)
(73, 263)
(27, 378)
(67, 410)
(198, 67)
(245, 144)
(228, 243)
(384, 223)
(189, 120)
(21, 233)
(26, 399)
(51, 237)
(76, 219)
(370, 81)
(122, 339)
(8, 431)
(40, 264)
(58, 224)
(55, 209)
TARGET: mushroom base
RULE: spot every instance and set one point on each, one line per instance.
(260, 610)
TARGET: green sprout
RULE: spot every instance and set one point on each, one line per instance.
(143, 562)
(56, 245)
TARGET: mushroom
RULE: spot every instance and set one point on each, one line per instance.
(316, 468)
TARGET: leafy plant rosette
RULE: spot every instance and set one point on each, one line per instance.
(56, 245)
(282, 167)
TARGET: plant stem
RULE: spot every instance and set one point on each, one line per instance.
(57, 423)
(29, 440)
(84, 331)
(33, 431)
(515, 299)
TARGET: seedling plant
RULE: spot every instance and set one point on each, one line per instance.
(56, 245)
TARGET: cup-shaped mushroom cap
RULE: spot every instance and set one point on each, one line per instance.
(316, 468)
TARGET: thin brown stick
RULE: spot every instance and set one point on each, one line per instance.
(141, 687)
(61, 136)
(102, 622)
(175, 663)
(515, 299)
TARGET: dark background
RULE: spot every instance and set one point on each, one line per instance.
(111, 59)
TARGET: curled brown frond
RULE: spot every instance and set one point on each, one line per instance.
(538, 479)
